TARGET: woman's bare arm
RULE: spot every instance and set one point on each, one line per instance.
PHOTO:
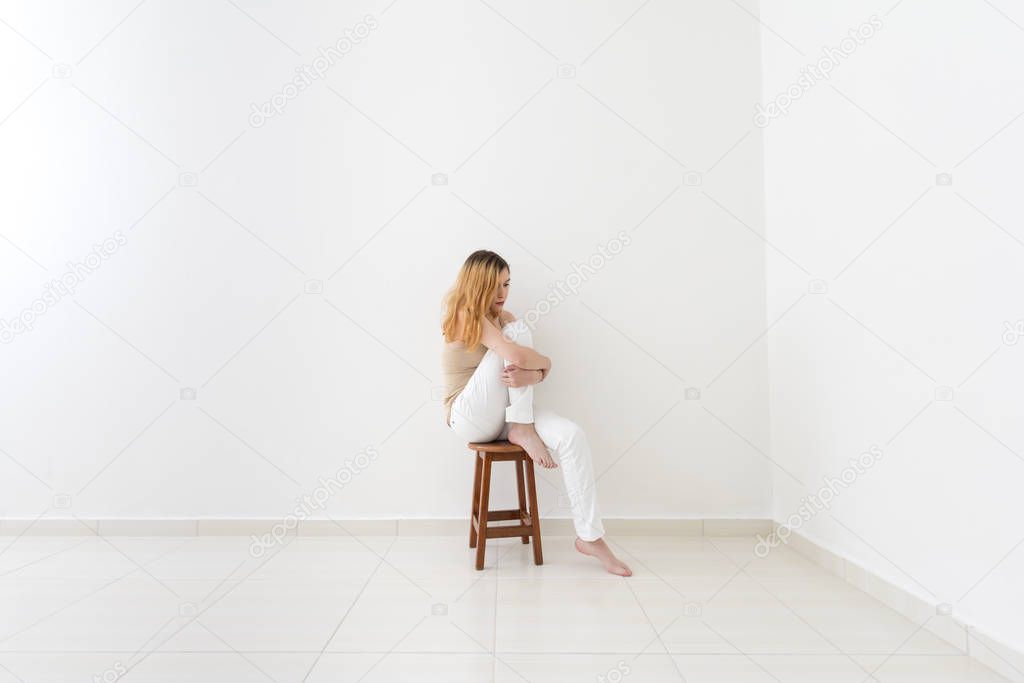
(522, 356)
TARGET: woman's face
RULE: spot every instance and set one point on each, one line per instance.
(499, 296)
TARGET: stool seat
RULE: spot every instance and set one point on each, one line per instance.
(496, 447)
(480, 514)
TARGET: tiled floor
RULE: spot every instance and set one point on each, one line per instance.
(406, 608)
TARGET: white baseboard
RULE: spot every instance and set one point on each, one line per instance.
(996, 655)
(1004, 660)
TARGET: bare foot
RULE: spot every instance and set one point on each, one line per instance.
(602, 552)
(524, 434)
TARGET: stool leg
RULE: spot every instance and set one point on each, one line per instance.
(485, 492)
(474, 509)
(538, 555)
(521, 489)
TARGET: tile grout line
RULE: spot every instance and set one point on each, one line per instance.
(654, 628)
(352, 605)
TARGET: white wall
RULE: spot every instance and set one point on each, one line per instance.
(920, 278)
(208, 290)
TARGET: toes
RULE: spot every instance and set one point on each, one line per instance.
(620, 569)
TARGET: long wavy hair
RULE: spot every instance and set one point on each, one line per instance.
(472, 294)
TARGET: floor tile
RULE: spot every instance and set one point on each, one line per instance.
(396, 666)
(586, 668)
(264, 614)
(195, 667)
(723, 668)
(19, 554)
(814, 668)
(585, 616)
(935, 669)
(396, 613)
(447, 556)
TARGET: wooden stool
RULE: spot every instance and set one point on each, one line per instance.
(529, 520)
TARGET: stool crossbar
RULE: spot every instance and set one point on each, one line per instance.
(526, 514)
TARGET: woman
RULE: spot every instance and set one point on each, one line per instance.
(490, 368)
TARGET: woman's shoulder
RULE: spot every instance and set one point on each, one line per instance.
(504, 318)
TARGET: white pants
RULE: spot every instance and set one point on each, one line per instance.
(484, 408)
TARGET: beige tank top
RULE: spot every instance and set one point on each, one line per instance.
(457, 366)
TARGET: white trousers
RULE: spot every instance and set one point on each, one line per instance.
(484, 408)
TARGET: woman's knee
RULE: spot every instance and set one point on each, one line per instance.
(519, 332)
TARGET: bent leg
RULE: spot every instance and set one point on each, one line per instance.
(569, 443)
(520, 406)
(478, 412)
(485, 405)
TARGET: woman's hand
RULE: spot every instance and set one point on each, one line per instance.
(515, 376)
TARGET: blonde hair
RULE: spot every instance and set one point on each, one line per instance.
(472, 295)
